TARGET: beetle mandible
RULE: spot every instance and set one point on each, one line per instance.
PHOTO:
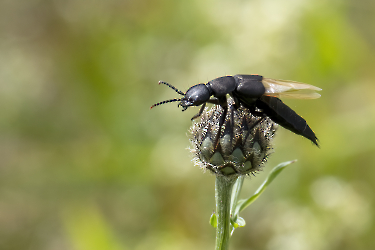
(255, 92)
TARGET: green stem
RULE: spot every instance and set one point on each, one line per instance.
(223, 191)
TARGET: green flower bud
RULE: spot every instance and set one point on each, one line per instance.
(239, 146)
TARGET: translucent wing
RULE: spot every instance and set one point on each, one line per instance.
(296, 94)
(290, 89)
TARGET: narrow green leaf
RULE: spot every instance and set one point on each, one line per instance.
(242, 204)
(236, 192)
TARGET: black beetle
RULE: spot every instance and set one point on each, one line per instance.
(255, 92)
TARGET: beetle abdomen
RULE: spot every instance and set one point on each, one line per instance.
(280, 113)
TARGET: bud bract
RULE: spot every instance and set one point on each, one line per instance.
(231, 140)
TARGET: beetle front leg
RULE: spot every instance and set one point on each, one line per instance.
(200, 111)
(212, 100)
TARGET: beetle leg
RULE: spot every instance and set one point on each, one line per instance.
(223, 103)
(200, 112)
(212, 100)
(236, 101)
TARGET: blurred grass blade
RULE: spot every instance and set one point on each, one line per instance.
(87, 228)
(242, 204)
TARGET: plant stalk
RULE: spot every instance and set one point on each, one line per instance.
(223, 192)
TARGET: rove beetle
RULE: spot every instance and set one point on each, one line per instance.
(255, 92)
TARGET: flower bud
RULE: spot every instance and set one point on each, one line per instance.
(231, 142)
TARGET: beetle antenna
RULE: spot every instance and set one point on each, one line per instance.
(172, 87)
(160, 103)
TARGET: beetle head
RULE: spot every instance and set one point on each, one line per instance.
(195, 96)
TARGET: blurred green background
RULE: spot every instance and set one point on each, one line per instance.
(85, 164)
